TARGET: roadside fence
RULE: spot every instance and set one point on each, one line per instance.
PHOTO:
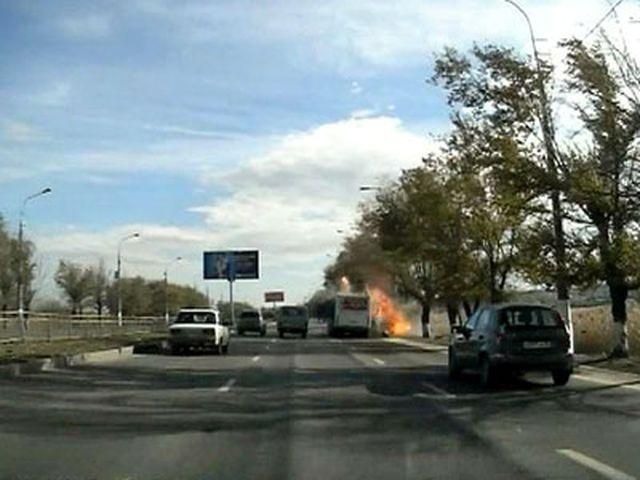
(51, 326)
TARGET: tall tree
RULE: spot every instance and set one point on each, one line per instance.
(603, 182)
(7, 279)
(502, 126)
(99, 285)
(75, 282)
(23, 266)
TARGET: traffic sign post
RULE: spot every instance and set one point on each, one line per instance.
(231, 265)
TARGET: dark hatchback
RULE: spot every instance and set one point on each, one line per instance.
(511, 338)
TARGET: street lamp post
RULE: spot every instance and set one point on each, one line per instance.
(551, 158)
(166, 288)
(21, 279)
(119, 274)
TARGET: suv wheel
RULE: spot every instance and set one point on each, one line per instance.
(560, 377)
(487, 373)
(225, 349)
(263, 332)
(454, 367)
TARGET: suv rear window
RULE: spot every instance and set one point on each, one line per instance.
(293, 311)
(530, 317)
(196, 317)
(249, 315)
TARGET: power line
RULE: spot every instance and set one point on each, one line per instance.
(606, 15)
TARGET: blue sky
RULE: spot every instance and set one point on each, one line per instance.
(216, 125)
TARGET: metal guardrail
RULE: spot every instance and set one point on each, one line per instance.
(51, 326)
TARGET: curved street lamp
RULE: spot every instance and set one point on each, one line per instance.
(119, 273)
(20, 278)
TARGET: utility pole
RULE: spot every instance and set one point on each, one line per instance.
(552, 164)
(119, 274)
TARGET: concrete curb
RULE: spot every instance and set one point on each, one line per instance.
(31, 366)
(609, 374)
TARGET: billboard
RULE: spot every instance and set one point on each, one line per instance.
(271, 297)
(231, 265)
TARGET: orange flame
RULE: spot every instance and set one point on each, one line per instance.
(383, 307)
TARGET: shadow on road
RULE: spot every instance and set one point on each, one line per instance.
(160, 398)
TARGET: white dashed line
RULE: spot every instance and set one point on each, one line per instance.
(256, 358)
(227, 386)
(438, 390)
(379, 362)
(274, 340)
(602, 468)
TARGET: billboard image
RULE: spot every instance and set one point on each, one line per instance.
(275, 296)
(231, 265)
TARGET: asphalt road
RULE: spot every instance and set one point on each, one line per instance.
(311, 409)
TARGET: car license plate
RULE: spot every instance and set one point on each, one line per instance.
(536, 345)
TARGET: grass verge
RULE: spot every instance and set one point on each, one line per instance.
(22, 351)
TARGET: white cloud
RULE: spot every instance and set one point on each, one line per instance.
(290, 200)
(287, 201)
(351, 35)
(363, 113)
(356, 88)
(20, 132)
(91, 26)
(190, 132)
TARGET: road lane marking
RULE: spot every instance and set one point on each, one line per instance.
(256, 358)
(429, 347)
(379, 362)
(438, 390)
(227, 386)
(602, 468)
(274, 340)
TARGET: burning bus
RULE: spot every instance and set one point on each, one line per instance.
(352, 315)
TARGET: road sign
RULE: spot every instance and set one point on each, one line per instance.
(231, 265)
(272, 297)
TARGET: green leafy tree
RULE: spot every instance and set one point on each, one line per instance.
(7, 280)
(225, 309)
(99, 281)
(503, 134)
(602, 181)
(75, 282)
(23, 265)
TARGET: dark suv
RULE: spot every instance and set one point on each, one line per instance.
(511, 338)
(251, 321)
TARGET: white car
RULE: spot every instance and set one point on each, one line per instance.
(199, 328)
